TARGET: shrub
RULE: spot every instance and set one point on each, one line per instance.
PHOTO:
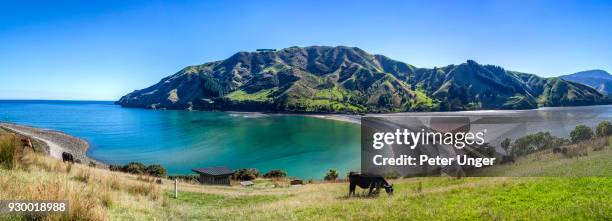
(134, 167)
(603, 129)
(535, 142)
(581, 133)
(185, 178)
(275, 174)
(92, 164)
(331, 175)
(7, 152)
(115, 167)
(576, 150)
(155, 170)
(600, 144)
(507, 159)
(505, 144)
(246, 174)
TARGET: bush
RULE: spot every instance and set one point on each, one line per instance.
(505, 144)
(603, 129)
(600, 144)
(246, 174)
(581, 133)
(331, 175)
(134, 167)
(7, 152)
(185, 178)
(115, 167)
(275, 174)
(576, 150)
(535, 142)
(155, 170)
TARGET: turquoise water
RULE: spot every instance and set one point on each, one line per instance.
(305, 147)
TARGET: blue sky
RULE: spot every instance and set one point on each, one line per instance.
(100, 50)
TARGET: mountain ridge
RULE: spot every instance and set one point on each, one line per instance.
(349, 80)
(596, 78)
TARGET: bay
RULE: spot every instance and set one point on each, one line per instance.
(305, 147)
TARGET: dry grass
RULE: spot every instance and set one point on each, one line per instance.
(92, 193)
(600, 143)
(8, 151)
(577, 150)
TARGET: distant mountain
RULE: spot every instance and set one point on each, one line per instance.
(598, 79)
(349, 80)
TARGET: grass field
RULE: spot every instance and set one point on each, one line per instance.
(98, 194)
(547, 164)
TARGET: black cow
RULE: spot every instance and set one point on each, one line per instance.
(67, 157)
(372, 181)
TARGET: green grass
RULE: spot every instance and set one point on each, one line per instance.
(545, 164)
(334, 93)
(422, 102)
(218, 201)
(260, 96)
(482, 199)
(323, 105)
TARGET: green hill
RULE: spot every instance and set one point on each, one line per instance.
(350, 80)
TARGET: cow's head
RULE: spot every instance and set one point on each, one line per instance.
(389, 189)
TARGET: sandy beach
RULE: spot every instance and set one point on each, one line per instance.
(349, 118)
(356, 119)
(57, 142)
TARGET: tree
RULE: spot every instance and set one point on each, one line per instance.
(505, 144)
(155, 170)
(275, 174)
(134, 167)
(246, 174)
(331, 175)
(604, 129)
(535, 142)
(581, 133)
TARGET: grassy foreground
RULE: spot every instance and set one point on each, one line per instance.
(98, 194)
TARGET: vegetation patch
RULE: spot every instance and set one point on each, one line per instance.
(260, 96)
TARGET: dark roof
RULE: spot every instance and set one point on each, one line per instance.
(214, 171)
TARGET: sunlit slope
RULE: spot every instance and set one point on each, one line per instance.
(350, 80)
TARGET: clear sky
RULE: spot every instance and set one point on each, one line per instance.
(100, 50)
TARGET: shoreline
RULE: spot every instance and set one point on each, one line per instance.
(58, 142)
(348, 118)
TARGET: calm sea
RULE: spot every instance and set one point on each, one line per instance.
(305, 147)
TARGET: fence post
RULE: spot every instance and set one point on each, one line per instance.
(176, 188)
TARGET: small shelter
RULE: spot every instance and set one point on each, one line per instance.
(214, 175)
